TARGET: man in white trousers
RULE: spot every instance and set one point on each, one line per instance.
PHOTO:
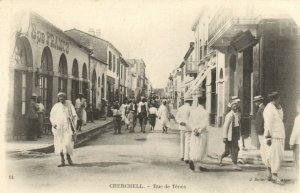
(198, 123)
(182, 117)
(274, 133)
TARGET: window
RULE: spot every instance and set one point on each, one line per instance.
(114, 64)
(63, 72)
(23, 93)
(109, 61)
(118, 67)
(121, 71)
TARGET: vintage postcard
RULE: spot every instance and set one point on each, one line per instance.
(150, 96)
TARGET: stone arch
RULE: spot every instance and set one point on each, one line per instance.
(23, 52)
(46, 60)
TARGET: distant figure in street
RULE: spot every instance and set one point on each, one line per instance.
(63, 118)
(135, 113)
(117, 117)
(80, 107)
(274, 133)
(143, 114)
(123, 110)
(81, 102)
(259, 119)
(33, 121)
(182, 116)
(295, 138)
(131, 115)
(164, 116)
(231, 135)
(41, 113)
(152, 116)
(198, 123)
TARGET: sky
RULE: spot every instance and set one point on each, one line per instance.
(159, 32)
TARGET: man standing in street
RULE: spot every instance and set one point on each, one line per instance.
(295, 138)
(231, 135)
(259, 119)
(274, 133)
(79, 107)
(198, 123)
(182, 117)
(163, 115)
(41, 113)
(33, 121)
(63, 118)
(143, 113)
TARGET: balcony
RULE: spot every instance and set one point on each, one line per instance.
(191, 68)
(228, 22)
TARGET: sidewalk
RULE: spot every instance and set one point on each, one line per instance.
(45, 144)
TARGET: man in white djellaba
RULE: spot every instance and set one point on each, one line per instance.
(274, 133)
(164, 115)
(63, 118)
(182, 117)
(198, 123)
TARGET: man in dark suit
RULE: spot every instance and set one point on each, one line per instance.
(259, 119)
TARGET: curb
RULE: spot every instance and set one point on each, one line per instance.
(81, 138)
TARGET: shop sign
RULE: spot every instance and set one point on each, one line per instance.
(50, 39)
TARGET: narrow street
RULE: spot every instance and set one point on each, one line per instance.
(149, 159)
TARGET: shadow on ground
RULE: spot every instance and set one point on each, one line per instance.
(99, 164)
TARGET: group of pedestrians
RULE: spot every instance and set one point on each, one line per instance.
(193, 126)
(194, 121)
(271, 133)
(130, 113)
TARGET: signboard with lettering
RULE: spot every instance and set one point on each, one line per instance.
(50, 39)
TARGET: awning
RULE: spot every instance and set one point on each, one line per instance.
(195, 84)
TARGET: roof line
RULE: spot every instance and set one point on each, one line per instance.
(60, 30)
(96, 38)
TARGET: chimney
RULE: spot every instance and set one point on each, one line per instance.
(91, 31)
(98, 33)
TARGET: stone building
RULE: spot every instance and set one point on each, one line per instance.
(43, 60)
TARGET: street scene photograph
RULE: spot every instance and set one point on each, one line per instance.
(181, 96)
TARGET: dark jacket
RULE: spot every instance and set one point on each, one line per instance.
(259, 120)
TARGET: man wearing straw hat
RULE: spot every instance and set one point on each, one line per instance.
(274, 133)
(63, 118)
(231, 135)
(182, 117)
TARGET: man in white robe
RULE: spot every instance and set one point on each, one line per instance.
(198, 123)
(164, 116)
(182, 117)
(274, 133)
(63, 118)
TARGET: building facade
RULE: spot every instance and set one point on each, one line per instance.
(43, 60)
(105, 52)
(243, 51)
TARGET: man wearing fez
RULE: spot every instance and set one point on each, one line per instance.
(63, 118)
(259, 119)
(231, 134)
(181, 118)
(33, 121)
(198, 123)
(274, 134)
